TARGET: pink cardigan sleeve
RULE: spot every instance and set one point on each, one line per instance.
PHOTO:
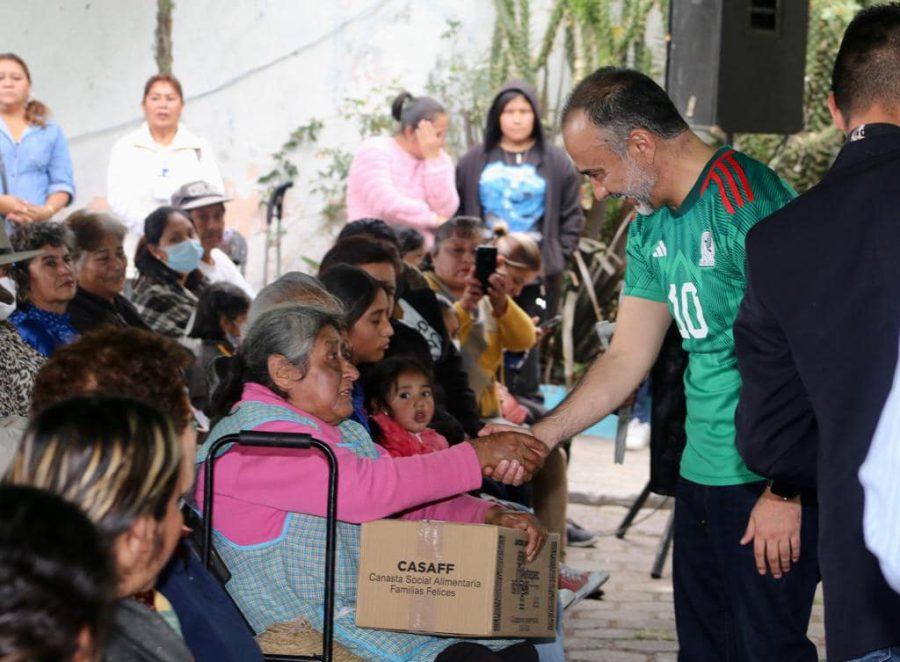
(440, 185)
(370, 182)
(296, 481)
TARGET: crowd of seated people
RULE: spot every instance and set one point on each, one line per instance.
(125, 332)
(130, 343)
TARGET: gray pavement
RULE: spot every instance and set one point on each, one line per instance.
(635, 621)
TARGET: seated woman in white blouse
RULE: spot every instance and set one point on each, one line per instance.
(149, 164)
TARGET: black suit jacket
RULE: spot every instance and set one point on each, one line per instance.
(816, 343)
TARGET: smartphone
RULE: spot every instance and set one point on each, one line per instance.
(550, 323)
(485, 264)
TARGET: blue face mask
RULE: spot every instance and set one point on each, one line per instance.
(184, 257)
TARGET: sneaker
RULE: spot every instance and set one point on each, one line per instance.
(578, 536)
(576, 585)
(638, 436)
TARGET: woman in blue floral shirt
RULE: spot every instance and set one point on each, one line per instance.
(45, 285)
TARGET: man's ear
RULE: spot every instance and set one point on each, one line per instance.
(836, 115)
(282, 373)
(641, 146)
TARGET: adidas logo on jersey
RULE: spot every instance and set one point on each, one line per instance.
(660, 250)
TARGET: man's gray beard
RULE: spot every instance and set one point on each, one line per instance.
(639, 185)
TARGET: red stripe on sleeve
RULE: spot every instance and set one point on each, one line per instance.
(712, 169)
(745, 183)
(725, 201)
(731, 184)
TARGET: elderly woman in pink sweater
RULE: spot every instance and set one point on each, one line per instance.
(293, 375)
(406, 179)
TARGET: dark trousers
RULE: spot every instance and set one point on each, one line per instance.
(724, 609)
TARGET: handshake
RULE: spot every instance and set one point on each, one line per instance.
(510, 456)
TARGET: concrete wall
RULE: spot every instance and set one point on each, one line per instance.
(252, 71)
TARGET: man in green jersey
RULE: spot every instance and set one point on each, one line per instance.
(686, 262)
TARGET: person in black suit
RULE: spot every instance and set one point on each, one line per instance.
(816, 336)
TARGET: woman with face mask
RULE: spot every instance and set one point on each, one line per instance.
(167, 258)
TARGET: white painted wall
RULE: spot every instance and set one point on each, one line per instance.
(252, 71)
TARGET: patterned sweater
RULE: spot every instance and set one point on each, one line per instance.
(165, 305)
(19, 363)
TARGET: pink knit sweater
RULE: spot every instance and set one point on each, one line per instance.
(389, 183)
(256, 488)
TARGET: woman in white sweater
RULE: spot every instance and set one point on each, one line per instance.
(147, 165)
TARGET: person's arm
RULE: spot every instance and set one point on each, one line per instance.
(571, 214)
(641, 326)
(440, 187)
(372, 170)
(367, 489)
(61, 191)
(777, 434)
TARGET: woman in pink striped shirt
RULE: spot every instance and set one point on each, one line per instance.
(406, 179)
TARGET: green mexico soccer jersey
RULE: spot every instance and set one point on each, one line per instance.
(692, 258)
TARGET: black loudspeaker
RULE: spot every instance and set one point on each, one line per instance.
(738, 64)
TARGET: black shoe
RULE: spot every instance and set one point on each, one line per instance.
(577, 536)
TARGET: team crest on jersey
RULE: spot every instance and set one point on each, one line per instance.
(707, 250)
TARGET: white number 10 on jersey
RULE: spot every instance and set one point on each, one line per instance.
(682, 312)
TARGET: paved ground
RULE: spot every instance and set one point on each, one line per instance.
(634, 622)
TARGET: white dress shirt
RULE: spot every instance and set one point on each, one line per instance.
(880, 478)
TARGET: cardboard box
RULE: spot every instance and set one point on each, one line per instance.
(466, 580)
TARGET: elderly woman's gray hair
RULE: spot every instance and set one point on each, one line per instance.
(292, 287)
(288, 330)
(91, 228)
(31, 237)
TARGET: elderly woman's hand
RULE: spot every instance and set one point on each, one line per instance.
(510, 446)
(516, 519)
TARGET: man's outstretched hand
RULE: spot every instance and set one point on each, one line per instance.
(520, 454)
(509, 472)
